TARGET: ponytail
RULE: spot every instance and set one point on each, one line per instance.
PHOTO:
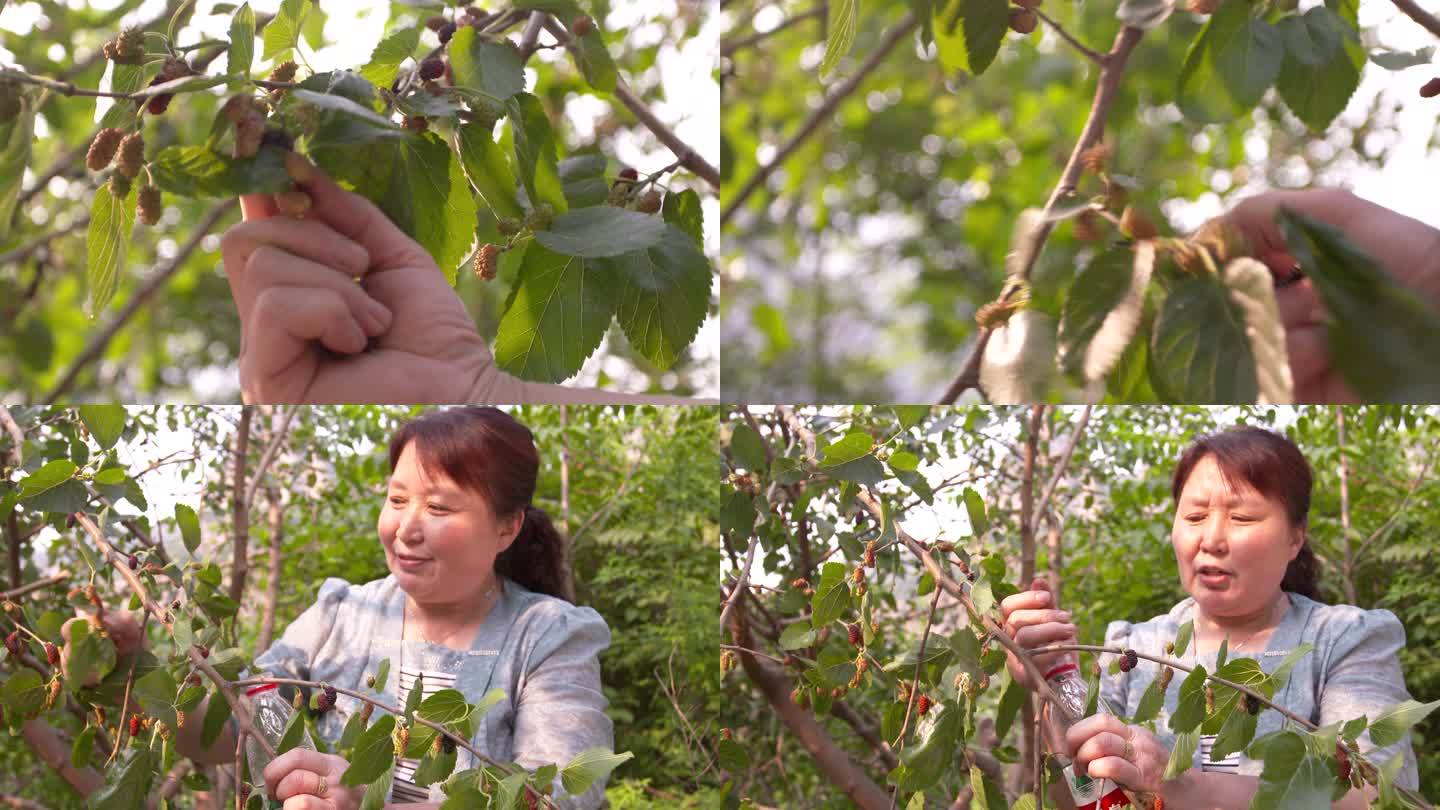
(1302, 576)
(536, 559)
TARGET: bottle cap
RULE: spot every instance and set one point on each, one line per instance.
(1060, 670)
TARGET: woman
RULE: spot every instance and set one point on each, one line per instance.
(1241, 503)
(470, 604)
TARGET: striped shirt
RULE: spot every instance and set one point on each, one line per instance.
(403, 789)
(1230, 764)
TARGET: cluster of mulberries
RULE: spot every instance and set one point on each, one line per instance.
(487, 262)
(432, 68)
(127, 48)
(325, 701)
(13, 643)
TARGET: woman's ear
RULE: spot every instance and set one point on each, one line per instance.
(1297, 541)
(510, 528)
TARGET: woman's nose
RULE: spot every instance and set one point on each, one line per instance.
(408, 528)
(1213, 532)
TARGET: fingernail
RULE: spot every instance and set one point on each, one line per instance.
(1065, 615)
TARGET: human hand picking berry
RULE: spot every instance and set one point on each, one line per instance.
(1105, 748)
(308, 780)
(337, 304)
(1406, 249)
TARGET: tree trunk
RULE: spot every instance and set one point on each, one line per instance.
(239, 515)
(837, 766)
(1346, 572)
(275, 516)
(53, 751)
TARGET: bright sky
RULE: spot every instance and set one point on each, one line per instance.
(691, 107)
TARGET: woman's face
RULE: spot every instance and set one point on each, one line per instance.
(440, 540)
(1232, 546)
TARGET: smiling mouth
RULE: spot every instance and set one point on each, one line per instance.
(404, 558)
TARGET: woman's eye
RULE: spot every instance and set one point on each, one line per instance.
(1243, 518)
(435, 507)
(394, 501)
(1194, 518)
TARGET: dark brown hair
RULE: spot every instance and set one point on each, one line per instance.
(486, 451)
(1273, 466)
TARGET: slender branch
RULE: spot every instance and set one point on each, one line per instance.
(738, 648)
(97, 345)
(267, 456)
(530, 37)
(915, 680)
(23, 251)
(1419, 15)
(239, 507)
(17, 436)
(739, 586)
(38, 584)
(1112, 68)
(1064, 462)
(1385, 527)
(728, 48)
(1087, 52)
(842, 91)
(687, 156)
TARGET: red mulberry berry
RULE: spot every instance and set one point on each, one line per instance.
(1342, 762)
(53, 694)
(446, 32)
(854, 632)
(1431, 88)
(1159, 803)
(159, 104)
(436, 23)
(726, 734)
(1166, 674)
(432, 68)
(195, 678)
(629, 175)
(204, 651)
(134, 562)
(1132, 659)
(870, 554)
(13, 643)
(582, 25)
(1252, 704)
(800, 583)
(487, 262)
(922, 704)
(365, 712)
(858, 575)
(52, 654)
(134, 725)
(447, 744)
(1136, 225)
(102, 149)
(175, 605)
(1022, 20)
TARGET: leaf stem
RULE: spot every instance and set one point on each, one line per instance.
(1088, 53)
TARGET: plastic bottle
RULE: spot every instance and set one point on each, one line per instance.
(1088, 793)
(270, 714)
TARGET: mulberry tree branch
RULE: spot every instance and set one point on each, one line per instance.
(842, 91)
(1112, 69)
(1419, 15)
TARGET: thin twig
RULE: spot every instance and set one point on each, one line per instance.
(97, 345)
(728, 48)
(1112, 68)
(683, 151)
(267, 456)
(842, 91)
(739, 586)
(738, 648)
(915, 681)
(530, 37)
(23, 251)
(38, 584)
(1414, 485)
(1060, 467)
(1087, 52)
(1419, 15)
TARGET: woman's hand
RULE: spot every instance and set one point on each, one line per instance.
(305, 323)
(1032, 620)
(309, 780)
(1404, 248)
(1105, 748)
